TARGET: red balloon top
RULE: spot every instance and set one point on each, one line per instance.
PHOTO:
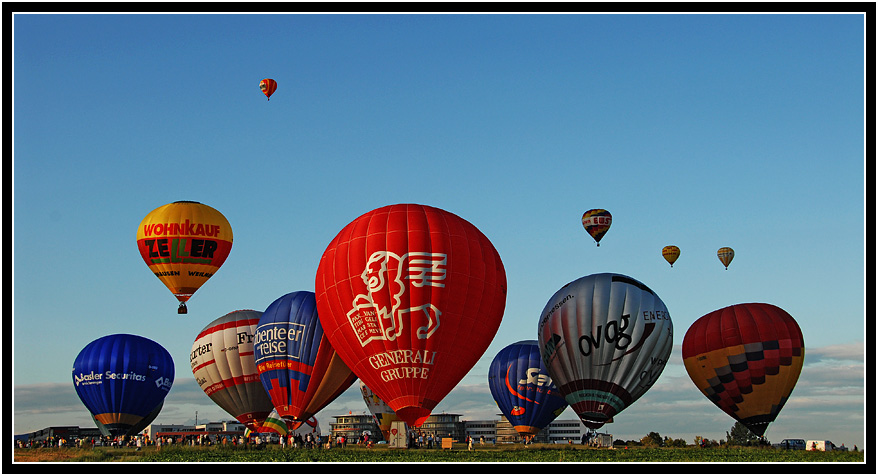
(268, 87)
(742, 324)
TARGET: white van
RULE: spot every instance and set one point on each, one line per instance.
(822, 445)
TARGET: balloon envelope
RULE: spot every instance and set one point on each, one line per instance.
(297, 365)
(725, 255)
(223, 364)
(746, 359)
(123, 379)
(381, 412)
(274, 423)
(184, 244)
(268, 87)
(605, 339)
(597, 222)
(671, 253)
(410, 296)
(522, 388)
(304, 427)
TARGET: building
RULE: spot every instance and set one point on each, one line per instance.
(52, 433)
(441, 425)
(501, 431)
(154, 429)
(352, 427)
(565, 431)
(478, 429)
(444, 425)
(506, 433)
(214, 430)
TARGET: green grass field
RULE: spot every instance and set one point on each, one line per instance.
(458, 454)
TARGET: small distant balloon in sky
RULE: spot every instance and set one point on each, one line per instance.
(597, 222)
(671, 253)
(725, 255)
(268, 87)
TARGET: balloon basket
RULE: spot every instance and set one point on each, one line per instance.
(181, 309)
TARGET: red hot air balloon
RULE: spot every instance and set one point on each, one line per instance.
(268, 87)
(746, 359)
(410, 296)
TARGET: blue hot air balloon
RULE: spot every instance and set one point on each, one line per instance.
(298, 367)
(522, 388)
(123, 380)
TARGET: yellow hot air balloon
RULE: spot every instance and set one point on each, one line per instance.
(671, 253)
(184, 243)
(725, 255)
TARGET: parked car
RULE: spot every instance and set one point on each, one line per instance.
(790, 444)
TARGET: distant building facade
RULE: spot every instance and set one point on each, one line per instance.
(440, 425)
(352, 427)
(481, 429)
(445, 425)
(565, 431)
(212, 429)
(558, 431)
(52, 433)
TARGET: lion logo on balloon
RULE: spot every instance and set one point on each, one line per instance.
(382, 312)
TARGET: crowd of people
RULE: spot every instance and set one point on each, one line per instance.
(74, 442)
(308, 441)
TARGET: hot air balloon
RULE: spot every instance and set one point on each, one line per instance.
(671, 253)
(296, 363)
(309, 426)
(123, 380)
(597, 222)
(274, 423)
(222, 362)
(184, 244)
(746, 359)
(381, 412)
(725, 255)
(523, 389)
(605, 340)
(268, 87)
(410, 297)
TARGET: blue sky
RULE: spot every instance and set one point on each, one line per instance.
(696, 130)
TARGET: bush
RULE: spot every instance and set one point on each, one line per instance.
(675, 443)
(652, 439)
